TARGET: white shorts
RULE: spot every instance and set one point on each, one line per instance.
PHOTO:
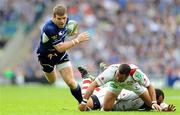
(63, 65)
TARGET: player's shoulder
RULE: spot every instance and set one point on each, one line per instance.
(133, 66)
(135, 72)
(112, 68)
(49, 26)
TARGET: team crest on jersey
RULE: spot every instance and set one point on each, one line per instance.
(61, 33)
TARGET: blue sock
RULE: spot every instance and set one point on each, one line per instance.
(77, 93)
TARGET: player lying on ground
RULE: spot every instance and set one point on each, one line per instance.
(126, 101)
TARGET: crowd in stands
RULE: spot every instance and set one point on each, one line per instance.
(18, 13)
(143, 32)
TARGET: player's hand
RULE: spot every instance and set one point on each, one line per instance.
(82, 107)
(83, 37)
(156, 107)
(171, 108)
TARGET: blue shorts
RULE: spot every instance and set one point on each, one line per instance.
(48, 63)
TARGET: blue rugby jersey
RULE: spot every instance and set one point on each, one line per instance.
(51, 35)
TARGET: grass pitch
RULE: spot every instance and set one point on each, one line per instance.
(50, 100)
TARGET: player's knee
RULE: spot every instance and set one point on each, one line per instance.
(72, 84)
(51, 81)
(51, 77)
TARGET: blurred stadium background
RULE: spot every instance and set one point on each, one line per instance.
(143, 32)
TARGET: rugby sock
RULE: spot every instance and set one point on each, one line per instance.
(77, 93)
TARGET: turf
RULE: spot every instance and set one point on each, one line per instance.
(50, 100)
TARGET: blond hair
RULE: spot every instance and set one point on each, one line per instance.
(59, 10)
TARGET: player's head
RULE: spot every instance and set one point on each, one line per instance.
(159, 96)
(123, 72)
(60, 15)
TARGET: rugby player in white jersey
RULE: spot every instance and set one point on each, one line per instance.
(126, 100)
(122, 76)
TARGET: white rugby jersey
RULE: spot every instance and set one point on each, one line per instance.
(127, 100)
(135, 81)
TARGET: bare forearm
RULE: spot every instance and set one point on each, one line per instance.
(152, 92)
(90, 90)
(62, 47)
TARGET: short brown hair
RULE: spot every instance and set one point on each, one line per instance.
(59, 10)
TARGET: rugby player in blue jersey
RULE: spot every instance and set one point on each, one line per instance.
(52, 48)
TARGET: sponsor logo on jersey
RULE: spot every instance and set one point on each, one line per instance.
(138, 75)
(54, 37)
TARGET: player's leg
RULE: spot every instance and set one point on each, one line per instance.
(66, 72)
(85, 84)
(48, 68)
(96, 100)
(109, 100)
(93, 102)
(87, 78)
(51, 77)
(85, 73)
(49, 72)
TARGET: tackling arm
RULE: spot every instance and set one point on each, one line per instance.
(152, 93)
(93, 85)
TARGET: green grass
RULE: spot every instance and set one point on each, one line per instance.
(50, 100)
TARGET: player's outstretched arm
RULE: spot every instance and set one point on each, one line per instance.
(61, 47)
(82, 105)
(152, 94)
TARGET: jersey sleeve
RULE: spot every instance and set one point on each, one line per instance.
(52, 34)
(105, 76)
(141, 78)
